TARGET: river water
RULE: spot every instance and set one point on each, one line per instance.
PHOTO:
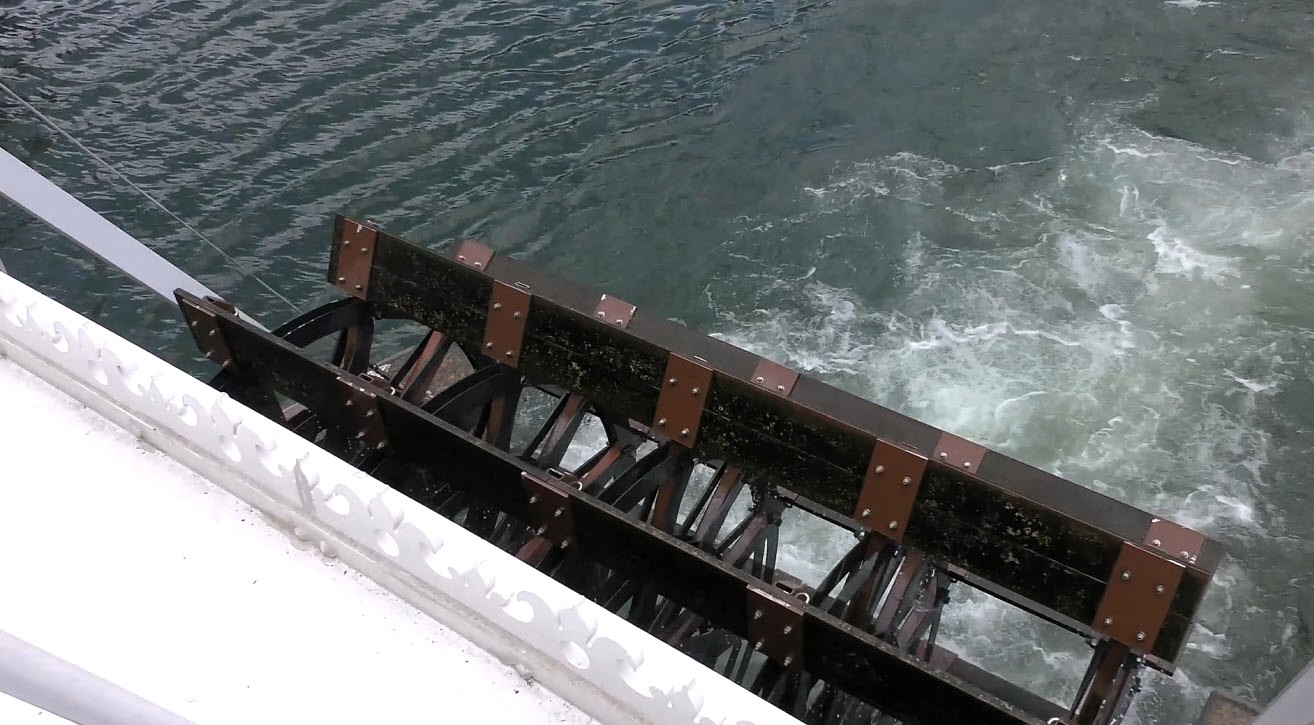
(1078, 233)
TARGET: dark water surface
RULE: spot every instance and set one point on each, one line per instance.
(1078, 232)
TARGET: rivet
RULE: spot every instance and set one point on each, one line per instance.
(619, 321)
(488, 346)
(225, 363)
(907, 481)
(758, 379)
(369, 414)
(209, 354)
(510, 353)
(342, 279)
(787, 629)
(497, 305)
(479, 265)
(672, 381)
(557, 514)
(1126, 575)
(364, 250)
(757, 614)
(1140, 636)
(346, 242)
(350, 403)
(894, 525)
(460, 257)
(541, 530)
(1156, 542)
(866, 513)
(358, 288)
(661, 423)
(1108, 621)
(1158, 589)
(1186, 555)
(533, 500)
(758, 645)
(781, 388)
(789, 659)
(565, 544)
(944, 456)
(213, 333)
(695, 392)
(193, 323)
(515, 315)
(967, 464)
(684, 433)
(880, 470)
(602, 313)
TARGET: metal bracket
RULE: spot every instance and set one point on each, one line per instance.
(549, 509)
(204, 325)
(889, 489)
(356, 258)
(615, 311)
(774, 377)
(508, 311)
(682, 399)
(473, 254)
(775, 626)
(1174, 540)
(1138, 596)
(959, 452)
(364, 405)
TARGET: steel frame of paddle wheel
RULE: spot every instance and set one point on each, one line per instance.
(643, 524)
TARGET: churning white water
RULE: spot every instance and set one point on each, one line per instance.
(1124, 324)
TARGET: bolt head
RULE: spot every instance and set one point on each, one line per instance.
(1108, 621)
(479, 265)
(907, 481)
(533, 500)
(684, 433)
(695, 392)
(757, 614)
(944, 456)
(557, 514)
(661, 423)
(497, 305)
(619, 321)
(510, 353)
(967, 464)
(1156, 542)
(894, 525)
(672, 381)
(488, 346)
(880, 470)
(866, 513)
(787, 629)
(1126, 575)
(789, 660)
(1158, 589)
(515, 315)
(1186, 555)
(758, 645)
(602, 314)
(759, 379)
(346, 242)
(341, 280)
(1140, 636)
(780, 388)
(359, 288)
(460, 257)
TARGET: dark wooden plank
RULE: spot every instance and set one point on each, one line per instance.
(820, 455)
(870, 669)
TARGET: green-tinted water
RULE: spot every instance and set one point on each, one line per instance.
(1079, 233)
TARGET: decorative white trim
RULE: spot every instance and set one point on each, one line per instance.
(587, 655)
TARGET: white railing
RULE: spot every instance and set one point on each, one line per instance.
(596, 660)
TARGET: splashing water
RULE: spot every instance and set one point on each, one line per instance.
(1119, 326)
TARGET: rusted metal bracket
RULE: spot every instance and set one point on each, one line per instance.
(508, 311)
(959, 452)
(775, 626)
(615, 311)
(1174, 540)
(889, 489)
(356, 258)
(1138, 596)
(775, 377)
(549, 510)
(473, 254)
(365, 410)
(682, 399)
(209, 338)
